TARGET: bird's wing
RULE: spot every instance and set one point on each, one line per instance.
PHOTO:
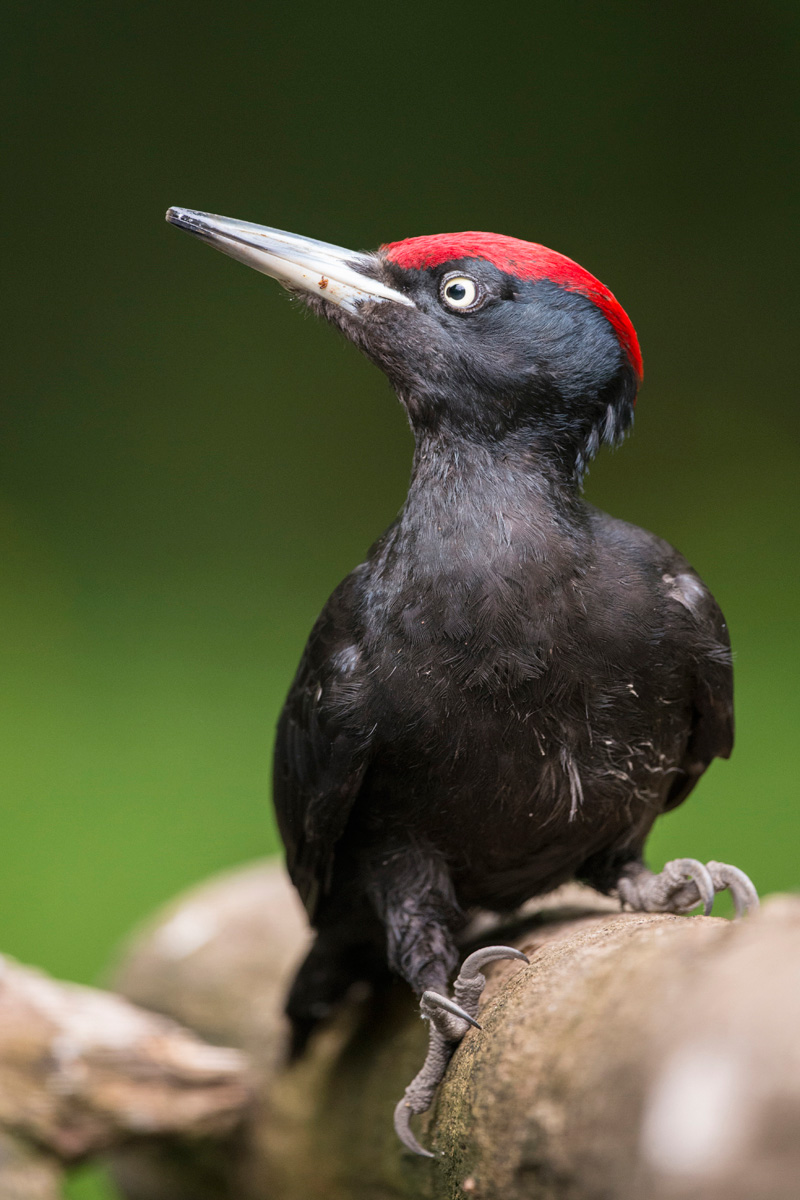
(711, 734)
(324, 744)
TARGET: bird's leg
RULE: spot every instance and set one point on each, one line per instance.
(683, 884)
(412, 891)
(449, 1021)
(443, 1037)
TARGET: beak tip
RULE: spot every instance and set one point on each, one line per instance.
(181, 217)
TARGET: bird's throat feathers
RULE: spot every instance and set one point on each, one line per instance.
(471, 507)
(481, 551)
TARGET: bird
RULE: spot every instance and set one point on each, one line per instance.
(513, 685)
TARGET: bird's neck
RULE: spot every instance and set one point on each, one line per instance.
(470, 505)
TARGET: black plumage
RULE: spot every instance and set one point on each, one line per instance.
(513, 686)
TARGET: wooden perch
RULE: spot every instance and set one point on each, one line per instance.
(638, 1056)
(83, 1070)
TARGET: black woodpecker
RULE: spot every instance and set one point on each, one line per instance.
(513, 685)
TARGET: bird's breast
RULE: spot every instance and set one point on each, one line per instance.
(517, 747)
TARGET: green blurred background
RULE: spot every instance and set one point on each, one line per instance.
(189, 466)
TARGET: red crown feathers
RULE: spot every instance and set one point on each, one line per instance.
(526, 260)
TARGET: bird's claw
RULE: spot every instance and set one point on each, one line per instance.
(471, 981)
(404, 1111)
(432, 1005)
(740, 886)
(449, 1021)
(683, 884)
(690, 875)
(419, 1094)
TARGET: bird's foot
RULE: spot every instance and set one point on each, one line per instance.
(683, 884)
(449, 1021)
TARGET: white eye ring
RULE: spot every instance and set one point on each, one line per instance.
(459, 292)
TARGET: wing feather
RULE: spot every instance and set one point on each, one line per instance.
(323, 747)
(711, 734)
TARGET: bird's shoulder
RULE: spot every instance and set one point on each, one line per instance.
(690, 628)
(633, 556)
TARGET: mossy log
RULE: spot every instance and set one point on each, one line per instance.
(639, 1055)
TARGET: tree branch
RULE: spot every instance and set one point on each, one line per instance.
(639, 1055)
(83, 1070)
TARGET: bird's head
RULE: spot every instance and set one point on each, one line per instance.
(483, 337)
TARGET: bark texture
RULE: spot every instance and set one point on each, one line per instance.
(639, 1055)
(82, 1070)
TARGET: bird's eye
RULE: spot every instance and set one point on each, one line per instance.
(459, 292)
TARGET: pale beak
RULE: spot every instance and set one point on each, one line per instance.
(300, 264)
